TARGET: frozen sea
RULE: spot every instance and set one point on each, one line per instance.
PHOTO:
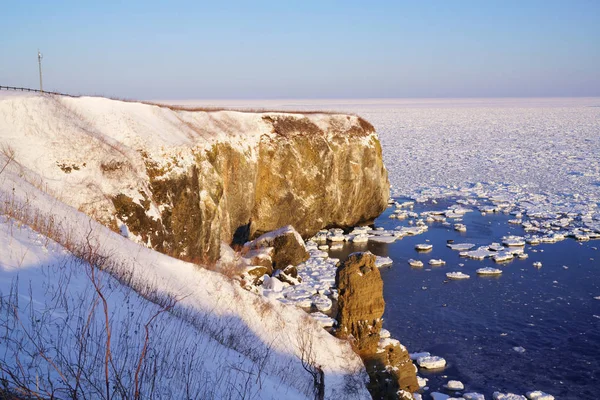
(538, 160)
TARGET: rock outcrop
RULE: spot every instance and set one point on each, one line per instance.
(181, 181)
(287, 247)
(360, 308)
(310, 172)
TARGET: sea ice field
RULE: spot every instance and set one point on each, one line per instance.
(513, 185)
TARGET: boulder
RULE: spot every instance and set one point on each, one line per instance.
(288, 246)
(291, 270)
(256, 272)
(262, 257)
(360, 307)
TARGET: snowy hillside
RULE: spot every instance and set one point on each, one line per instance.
(207, 337)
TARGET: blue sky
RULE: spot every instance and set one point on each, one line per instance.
(304, 49)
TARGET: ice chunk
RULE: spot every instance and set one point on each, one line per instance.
(439, 396)
(431, 362)
(496, 247)
(383, 261)
(460, 227)
(384, 333)
(461, 246)
(502, 256)
(336, 246)
(336, 236)
(322, 303)
(489, 271)
(323, 319)
(422, 381)
(415, 263)
(507, 396)
(537, 264)
(360, 238)
(382, 239)
(473, 396)
(513, 241)
(457, 275)
(479, 254)
(454, 385)
(519, 349)
(423, 247)
(436, 262)
(539, 395)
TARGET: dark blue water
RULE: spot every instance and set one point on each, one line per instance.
(475, 323)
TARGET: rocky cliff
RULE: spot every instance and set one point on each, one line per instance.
(360, 308)
(182, 181)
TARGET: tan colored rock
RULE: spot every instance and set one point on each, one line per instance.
(311, 172)
(360, 308)
(288, 246)
(360, 301)
(182, 181)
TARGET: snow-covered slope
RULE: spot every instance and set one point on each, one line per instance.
(182, 181)
(218, 340)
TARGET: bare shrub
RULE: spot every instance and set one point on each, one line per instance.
(307, 357)
(9, 156)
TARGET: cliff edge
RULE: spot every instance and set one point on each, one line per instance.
(182, 181)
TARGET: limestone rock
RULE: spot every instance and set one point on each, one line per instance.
(360, 301)
(360, 307)
(256, 272)
(262, 256)
(183, 181)
(288, 246)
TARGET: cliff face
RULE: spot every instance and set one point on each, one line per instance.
(300, 175)
(183, 181)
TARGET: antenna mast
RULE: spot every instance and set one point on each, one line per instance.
(40, 56)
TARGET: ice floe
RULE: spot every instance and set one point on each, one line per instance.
(383, 261)
(423, 247)
(507, 396)
(460, 227)
(539, 395)
(513, 241)
(323, 319)
(454, 385)
(415, 263)
(336, 246)
(473, 396)
(457, 275)
(422, 381)
(436, 262)
(461, 246)
(431, 362)
(489, 271)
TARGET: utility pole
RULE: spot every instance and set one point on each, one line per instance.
(40, 56)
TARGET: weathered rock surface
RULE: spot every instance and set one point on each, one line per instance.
(360, 301)
(360, 307)
(181, 181)
(287, 244)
